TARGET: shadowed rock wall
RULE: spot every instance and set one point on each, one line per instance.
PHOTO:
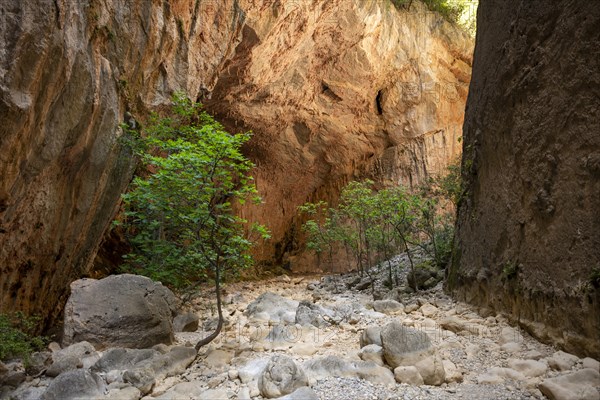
(528, 230)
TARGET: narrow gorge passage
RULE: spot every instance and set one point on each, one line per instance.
(330, 340)
(299, 200)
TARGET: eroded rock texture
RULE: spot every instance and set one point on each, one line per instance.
(69, 70)
(341, 90)
(529, 225)
(332, 89)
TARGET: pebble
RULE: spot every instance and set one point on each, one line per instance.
(232, 374)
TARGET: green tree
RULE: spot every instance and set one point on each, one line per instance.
(382, 236)
(440, 197)
(322, 230)
(357, 207)
(400, 211)
(450, 186)
(182, 212)
(373, 226)
(387, 202)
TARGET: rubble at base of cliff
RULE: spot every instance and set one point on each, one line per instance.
(309, 337)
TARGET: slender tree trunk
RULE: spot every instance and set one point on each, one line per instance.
(387, 258)
(217, 331)
(332, 269)
(370, 272)
(433, 243)
(412, 265)
(391, 278)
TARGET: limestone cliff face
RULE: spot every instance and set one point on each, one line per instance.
(69, 70)
(332, 89)
(341, 90)
(529, 226)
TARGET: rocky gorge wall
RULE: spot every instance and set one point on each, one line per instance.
(336, 91)
(69, 70)
(528, 230)
(333, 90)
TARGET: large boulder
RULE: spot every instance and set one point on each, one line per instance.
(252, 370)
(122, 359)
(334, 366)
(142, 368)
(453, 373)
(580, 385)
(388, 306)
(75, 385)
(281, 376)
(454, 324)
(119, 311)
(371, 335)
(272, 307)
(403, 346)
(432, 370)
(145, 373)
(308, 314)
(562, 361)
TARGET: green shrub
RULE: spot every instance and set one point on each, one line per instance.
(510, 269)
(17, 339)
(458, 12)
(451, 10)
(444, 236)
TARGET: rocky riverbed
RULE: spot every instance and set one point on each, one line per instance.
(313, 337)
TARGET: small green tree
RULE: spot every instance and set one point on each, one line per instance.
(324, 231)
(387, 202)
(357, 207)
(401, 213)
(450, 185)
(382, 236)
(181, 214)
(439, 199)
